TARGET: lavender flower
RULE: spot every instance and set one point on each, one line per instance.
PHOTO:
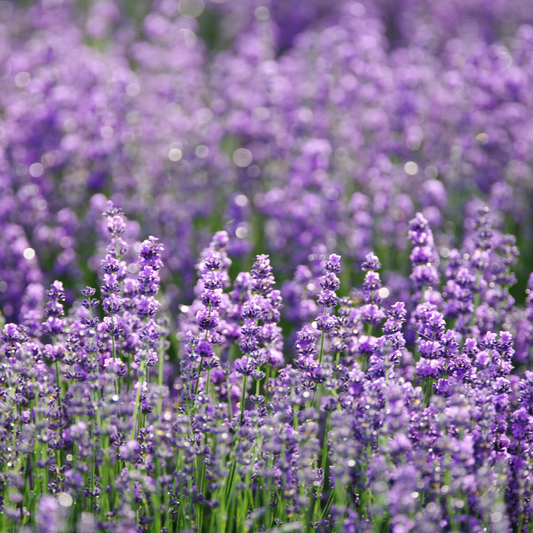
(153, 403)
(424, 256)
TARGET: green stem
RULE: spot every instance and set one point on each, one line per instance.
(428, 386)
(328, 504)
(137, 399)
(243, 396)
(368, 331)
(230, 408)
(325, 448)
(199, 374)
(321, 354)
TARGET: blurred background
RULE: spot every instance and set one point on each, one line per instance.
(301, 127)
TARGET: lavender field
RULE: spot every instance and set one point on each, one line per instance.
(265, 266)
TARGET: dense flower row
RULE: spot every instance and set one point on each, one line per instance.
(378, 382)
(404, 416)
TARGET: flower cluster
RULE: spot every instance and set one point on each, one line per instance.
(389, 391)
(365, 426)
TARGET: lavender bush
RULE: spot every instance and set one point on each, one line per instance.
(404, 416)
(315, 316)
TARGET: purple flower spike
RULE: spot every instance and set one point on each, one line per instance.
(333, 264)
(424, 256)
(371, 262)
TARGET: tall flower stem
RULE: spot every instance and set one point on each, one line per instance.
(140, 383)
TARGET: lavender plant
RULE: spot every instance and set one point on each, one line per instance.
(389, 390)
(362, 430)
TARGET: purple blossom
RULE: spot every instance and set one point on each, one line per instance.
(400, 409)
